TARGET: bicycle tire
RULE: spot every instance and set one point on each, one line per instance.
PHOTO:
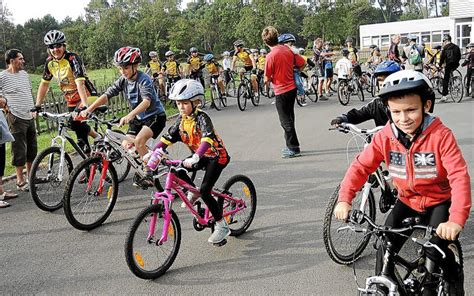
(248, 193)
(374, 86)
(73, 189)
(230, 88)
(435, 81)
(255, 98)
(242, 94)
(136, 259)
(333, 84)
(222, 100)
(299, 100)
(313, 96)
(456, 88)
(360, 91)
(214, 98)
(49, 201)
(343, 92)
(121, 166)
(344, 252)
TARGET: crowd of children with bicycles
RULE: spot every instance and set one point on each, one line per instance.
(420, 152)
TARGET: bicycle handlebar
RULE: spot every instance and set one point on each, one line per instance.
(345, 127)
(358, 217)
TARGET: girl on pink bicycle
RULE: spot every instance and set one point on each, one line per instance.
(194, 128)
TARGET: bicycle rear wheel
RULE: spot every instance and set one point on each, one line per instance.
(230, 88)
(343, 93)
(240, 187)
(255, 98)
(45, 187)
(242, 93)
(215, 98)
(146, 256)
(121, 165)
(85, 208)
(343, 245)
(456, 88)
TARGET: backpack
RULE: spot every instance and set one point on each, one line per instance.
(414, 56)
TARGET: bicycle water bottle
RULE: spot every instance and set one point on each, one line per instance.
(155, 159)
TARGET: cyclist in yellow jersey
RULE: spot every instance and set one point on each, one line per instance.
(195, 65)
(171, 67)
(69, 71)
(249, 63)
(261, 65)
(153, 69)
(214, 69)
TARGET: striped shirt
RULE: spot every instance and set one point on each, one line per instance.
(16, 88)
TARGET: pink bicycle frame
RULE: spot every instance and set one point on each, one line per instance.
(176, 184)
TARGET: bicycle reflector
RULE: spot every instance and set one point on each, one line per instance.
(139, 259)
(246, 191)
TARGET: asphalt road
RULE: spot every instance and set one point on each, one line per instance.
(281, 253)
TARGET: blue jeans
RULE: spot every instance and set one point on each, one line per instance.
(298, 82)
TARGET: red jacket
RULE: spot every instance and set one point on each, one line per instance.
(432, 171)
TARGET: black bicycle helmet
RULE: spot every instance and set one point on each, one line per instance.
(406, 81)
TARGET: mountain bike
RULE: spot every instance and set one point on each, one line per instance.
(245, 92)
(218, 100)
(343, 245)
(409, 275)
(455, 84)
(154, 238)
(52, 166)
(348, 87)
(92, 188)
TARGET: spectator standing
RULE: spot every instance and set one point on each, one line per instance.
(413, 55)
(317, 53)
(450, 56)
(15, 87)
(393, 53)
(4, 195)
(279, 70)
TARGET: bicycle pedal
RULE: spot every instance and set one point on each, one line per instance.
(221, 243)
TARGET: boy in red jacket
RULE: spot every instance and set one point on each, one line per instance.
(427, 168)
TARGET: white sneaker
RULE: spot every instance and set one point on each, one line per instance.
(221, 231)
(443, 99)
(192, 197)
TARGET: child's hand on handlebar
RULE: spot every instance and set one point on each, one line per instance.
(342, 210)
(448, 230)
(189, 162)
(125, 120)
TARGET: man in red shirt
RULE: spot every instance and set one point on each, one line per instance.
(279, 70)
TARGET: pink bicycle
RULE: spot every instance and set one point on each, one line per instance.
(154, 238)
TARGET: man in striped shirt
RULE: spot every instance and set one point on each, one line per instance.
(15, 87)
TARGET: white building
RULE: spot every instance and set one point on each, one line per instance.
(430, 31)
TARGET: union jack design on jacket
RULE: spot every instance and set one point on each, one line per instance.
(430, 172)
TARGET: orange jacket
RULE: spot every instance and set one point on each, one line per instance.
(432, 171)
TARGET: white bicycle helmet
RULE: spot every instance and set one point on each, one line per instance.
(169, 53)
(54, 37)
(186, 89)
(153, 54)
(263, 51)
(405, 81)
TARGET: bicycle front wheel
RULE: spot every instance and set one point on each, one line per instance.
(343, 93)
(242, 93)
(343, 245)
(46, 186)
(121, 165)
(255, 98)
(215, 98)
(240, 187)
(85, 204)
(146, 256)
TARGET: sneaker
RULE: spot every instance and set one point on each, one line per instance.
(288, 153)
(273, 102)
(192, 197)
(323, 98)
(4, 204)
(221, 231)
(443, 99)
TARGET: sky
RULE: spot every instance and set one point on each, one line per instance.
(23, 10)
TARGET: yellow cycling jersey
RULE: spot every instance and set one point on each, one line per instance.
(213, 68)
(67, 71)
(245, 57)
(154, 67)
(352, 54)
(261, 63)
(195, 62)
(171, 68)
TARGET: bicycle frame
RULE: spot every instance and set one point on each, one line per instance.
(173, 182)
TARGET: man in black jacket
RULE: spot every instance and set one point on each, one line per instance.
(450, 55)
(469, 62)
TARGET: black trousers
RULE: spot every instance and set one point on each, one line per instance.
(469, 78)
(2, 159)
(448, 71)
(285, 105)
(433, 216)
(213, 171)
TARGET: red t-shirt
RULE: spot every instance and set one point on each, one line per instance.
(279, 68)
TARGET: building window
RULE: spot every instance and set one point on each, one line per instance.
(436, 37)
(463, 34)
(385, 41)
(426, 38)
(376, 40)
(366, 42)
(403, 39)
